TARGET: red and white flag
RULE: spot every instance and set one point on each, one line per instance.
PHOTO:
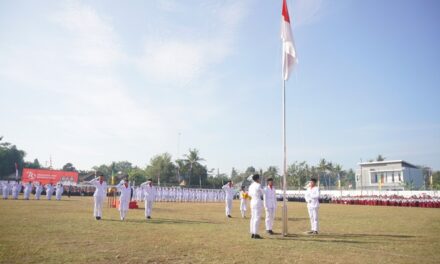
(289, 52)
(16, 171)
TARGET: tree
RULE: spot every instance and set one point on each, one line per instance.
(193, 159)
(380, 158)
(32, 165)
(69, 167)
(9, 155)
(161, 169)
(137, 175)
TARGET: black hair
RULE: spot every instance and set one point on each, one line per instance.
(256, 177)
(313, 180)
(270, 179)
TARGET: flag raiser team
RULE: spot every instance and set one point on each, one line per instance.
(259, 197)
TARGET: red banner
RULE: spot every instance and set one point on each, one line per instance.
(50, 176)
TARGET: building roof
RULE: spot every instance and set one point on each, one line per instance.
(404, 163)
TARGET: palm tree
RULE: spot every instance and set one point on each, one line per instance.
(192, 159)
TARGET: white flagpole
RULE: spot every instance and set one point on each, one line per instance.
(284, 162)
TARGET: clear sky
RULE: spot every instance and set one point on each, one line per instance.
(90, 82)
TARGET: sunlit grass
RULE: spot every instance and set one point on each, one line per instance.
(66, 232)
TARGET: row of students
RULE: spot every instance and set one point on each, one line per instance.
(16, 187)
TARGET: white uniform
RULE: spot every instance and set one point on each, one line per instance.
(98, 196)
(49, 191)
(312, 200)
(124, 199)
(150, 197)
(27, 190)
(229, 195)
(59, 191)
(5, 190)
(255, 192)
(38, 190)
(270, 206)
(243, 206)
(16, 188)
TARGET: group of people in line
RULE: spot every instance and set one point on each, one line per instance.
(178, 194)
(424, 201)
(14, 189)
(259, 197)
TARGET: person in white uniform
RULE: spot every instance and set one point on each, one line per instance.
(270, 205)
(255, 192)
(38, 190)
(312, 200)
(150, 197)
(49, 191)
(243, 198)
(27, 190)
(59, 191)
(99, 195)
(124, 199)
(16, 188)
(5, 190)
(229, 195)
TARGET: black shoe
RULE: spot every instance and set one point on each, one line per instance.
(309, 232)
(252, 236)
(315, 232)
(270, 232)
(257, 236)
(98, 218)
(149, 217)
(229, 216)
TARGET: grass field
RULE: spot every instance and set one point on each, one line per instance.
(65, 232)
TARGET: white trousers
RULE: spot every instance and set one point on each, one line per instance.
(313, 214)
(243, 207)
(123, 214)
(228, 203)
(148, 208)
(270, 217)
(58, 196)
(37, 196)
(27, 194)
(97, 209)
(255, 218)
(15, 195)
(49, 195)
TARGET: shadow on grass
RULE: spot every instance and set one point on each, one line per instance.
(342, 238)
(160, 221)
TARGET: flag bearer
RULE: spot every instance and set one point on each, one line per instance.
(270, 205)
(99, 195)
(229, 195)
(255, 192)
(312, 200)
(243, 198)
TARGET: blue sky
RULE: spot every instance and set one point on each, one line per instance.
(90, 82)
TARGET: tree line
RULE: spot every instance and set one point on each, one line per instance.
(191, 170)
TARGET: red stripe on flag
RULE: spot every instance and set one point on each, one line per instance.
(285, 12)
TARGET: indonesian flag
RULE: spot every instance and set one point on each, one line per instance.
(16, 171)
(289, 52)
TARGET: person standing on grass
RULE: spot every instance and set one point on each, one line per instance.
(27, 190)
(16, 188)
(149, 197)
(124, 198)
(312, 200)
(49, 191)
(5, 190)
(99, 195)
(243, 198)
(38, 190)
(59, 191)
(270, 205)
(229, 195)
(255, 192)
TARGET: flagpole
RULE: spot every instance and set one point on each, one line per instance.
(284, 162)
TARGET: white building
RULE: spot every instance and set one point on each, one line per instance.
(389, 175)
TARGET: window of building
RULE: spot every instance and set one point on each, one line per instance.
(373, 177)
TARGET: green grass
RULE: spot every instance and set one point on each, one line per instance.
(66, 232)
